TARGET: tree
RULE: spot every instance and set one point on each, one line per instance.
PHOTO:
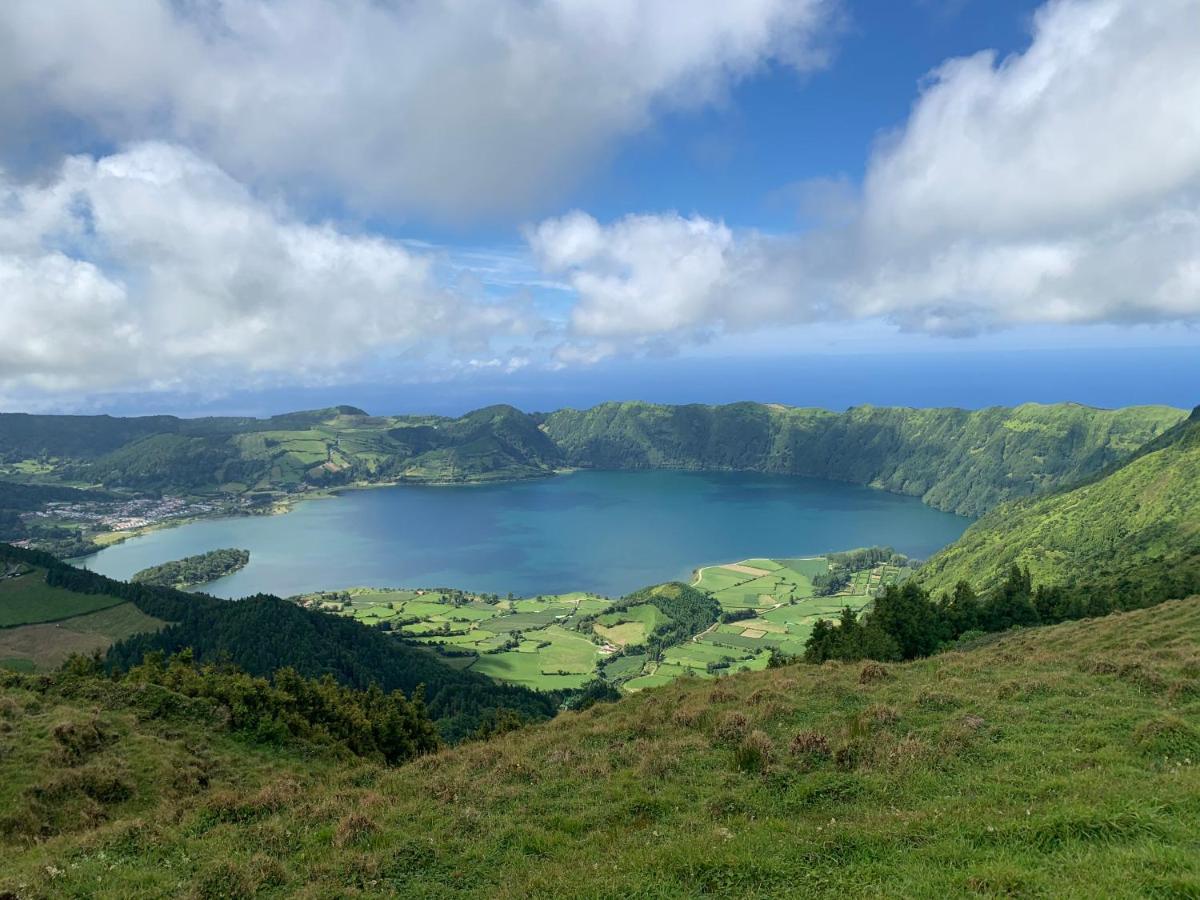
(907, 615)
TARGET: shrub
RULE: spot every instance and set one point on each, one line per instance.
(78, 740)
(872, 672)
(1168, 737)
(755, 752)
(721, 694)
(810, 745)
(883, 715)
(354, 828)
(732, 727)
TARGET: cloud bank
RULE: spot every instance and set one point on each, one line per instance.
(450, 108)
(1060, 185)
(154, 267)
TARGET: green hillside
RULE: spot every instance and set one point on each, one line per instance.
(259, 634)
(953, 459)
(1133, 532)
(327, 447)
(1055, 762)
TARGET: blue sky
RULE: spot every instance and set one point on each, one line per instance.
(239, 203)
(736, 160)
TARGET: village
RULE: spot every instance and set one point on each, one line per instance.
(132, 513)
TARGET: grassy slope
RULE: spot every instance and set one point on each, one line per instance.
(1056, 762)
(1129, 527)
(47, 646)
(28, 599)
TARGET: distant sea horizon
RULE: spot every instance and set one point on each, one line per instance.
(1107, 378)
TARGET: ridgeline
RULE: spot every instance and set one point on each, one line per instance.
(957, 460)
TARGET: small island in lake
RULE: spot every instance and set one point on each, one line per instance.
(194, 570)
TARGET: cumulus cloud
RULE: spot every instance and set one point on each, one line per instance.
(1059, 185)
(456, 109)
(644, 277)
(154, 266)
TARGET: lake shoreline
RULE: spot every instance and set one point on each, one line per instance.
(288, 502)
(541, 535)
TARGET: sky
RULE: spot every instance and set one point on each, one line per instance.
(249, 206)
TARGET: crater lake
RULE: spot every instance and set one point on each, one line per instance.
(609, 532)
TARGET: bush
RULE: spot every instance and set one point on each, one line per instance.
(810, 745)
(732, 727)
(755, 752)
(368, 723)
(873, 672)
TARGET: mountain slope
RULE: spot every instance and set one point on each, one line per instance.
(1058, 762)
(954, 459)
(1133, 531)
(261, 634)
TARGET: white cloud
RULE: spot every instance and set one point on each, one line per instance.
(1100, 115)
(153, 266)
(1059, 186)
(450, 107)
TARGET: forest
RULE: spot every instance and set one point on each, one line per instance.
(194, 570)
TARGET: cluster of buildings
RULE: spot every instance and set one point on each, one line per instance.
(126, 514)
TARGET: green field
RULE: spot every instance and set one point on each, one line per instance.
(557, 641)
(629, 627)
(552, 658)
(27, 599)
(780, 581)
(529, 641)
(43, 646)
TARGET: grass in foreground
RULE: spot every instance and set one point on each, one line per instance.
(1055, 762)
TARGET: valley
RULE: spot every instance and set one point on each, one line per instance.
(550, 450)
(555, 642)
(1015, 716)
(73, 483)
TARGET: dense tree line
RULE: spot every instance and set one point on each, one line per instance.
(906, 621)
(842, 567)
(688, 612)
(192, 570)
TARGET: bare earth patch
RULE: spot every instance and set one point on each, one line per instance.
(745, 570)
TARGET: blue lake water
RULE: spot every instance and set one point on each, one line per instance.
(608, 532)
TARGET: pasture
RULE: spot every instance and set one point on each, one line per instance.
(783, 600)
(528, 641)
(27, 600)
(629, 627)
(44, 646)
(760, 583)
(557, 641)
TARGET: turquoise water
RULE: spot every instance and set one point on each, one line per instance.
(608, 532)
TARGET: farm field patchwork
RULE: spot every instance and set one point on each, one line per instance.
(561, 641)
(528, 641)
